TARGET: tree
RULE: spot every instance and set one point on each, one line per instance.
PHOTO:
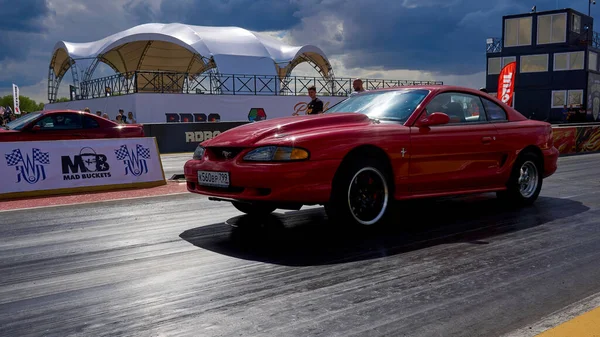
(25, 103)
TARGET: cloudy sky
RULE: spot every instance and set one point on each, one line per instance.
(390, 39)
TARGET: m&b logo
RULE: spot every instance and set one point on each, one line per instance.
(87, 165)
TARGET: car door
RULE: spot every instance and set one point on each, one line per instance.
(58, 126)
(461, 155)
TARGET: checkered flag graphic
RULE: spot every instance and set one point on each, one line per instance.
(143, 152)
(41, 157)
(122, 153)
(14, 158)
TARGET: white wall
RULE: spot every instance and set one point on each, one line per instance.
(152, 108)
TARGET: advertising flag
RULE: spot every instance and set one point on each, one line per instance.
(506, 83)
(17, 110)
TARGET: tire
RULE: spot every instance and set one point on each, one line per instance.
(254, 208)
(350, 205)
(525, 182)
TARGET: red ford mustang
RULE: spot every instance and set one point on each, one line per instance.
(65, 124)
(376, 147)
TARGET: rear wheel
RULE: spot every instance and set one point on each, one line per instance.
(361, 194)
(525, 181)
(254, 208)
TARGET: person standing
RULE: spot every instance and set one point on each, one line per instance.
(315, 106)
(357, 85)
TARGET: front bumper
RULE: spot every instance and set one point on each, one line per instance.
(306, 182)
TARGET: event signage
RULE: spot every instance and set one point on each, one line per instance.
(16, 104)
(29, 167)
(506, 83)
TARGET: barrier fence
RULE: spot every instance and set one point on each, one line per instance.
(68, 166)
(577, 139)
(185, 137)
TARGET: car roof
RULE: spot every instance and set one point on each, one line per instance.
(62, 110)
(512, 113)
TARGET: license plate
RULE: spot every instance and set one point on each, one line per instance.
(215, 179)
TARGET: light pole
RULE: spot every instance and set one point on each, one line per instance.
(590, 3)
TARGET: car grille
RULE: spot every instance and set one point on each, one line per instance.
(224, 153)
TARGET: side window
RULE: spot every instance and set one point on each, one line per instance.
(494, 111)
(90, 123)
(46, 123)
(460, 107)
(63, 121)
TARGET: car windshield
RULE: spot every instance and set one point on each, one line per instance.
(20, 122)
(396, 105)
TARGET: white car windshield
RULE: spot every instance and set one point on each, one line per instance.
(396, 105)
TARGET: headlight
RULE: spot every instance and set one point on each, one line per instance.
(199, 153)
(276, 153)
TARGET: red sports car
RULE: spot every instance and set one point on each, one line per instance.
(376, 147)
(65, 124)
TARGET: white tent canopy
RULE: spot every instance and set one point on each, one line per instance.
(188, 49)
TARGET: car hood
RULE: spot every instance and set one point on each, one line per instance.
(279, 128)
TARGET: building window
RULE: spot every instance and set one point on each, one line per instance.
(575, 23)
(593, 61)
(560, 98)
(575, 97)
(495, 64)
(534, 63)
(517, 32)
(552, 28)
(569, 61)
(507, 60)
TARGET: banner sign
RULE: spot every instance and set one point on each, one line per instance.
(73, 165)
(192, 108)
(17, 109)
(185, 137)
(506, 83)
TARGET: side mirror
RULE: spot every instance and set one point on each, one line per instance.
(36, 128)
(436, 118)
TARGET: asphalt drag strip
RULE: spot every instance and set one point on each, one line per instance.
(180, 265)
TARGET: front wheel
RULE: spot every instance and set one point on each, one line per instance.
(254, 208)
(525, 182)
(361, 196)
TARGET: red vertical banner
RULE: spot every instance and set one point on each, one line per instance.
(506, 83)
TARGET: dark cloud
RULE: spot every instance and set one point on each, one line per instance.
(20, 26)
(258, 15)
(23, 15)
(446, 37)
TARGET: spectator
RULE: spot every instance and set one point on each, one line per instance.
(315, 106)
(131, 118)
(357, 85)
(123, 118)
(98, 113)
(105, 115)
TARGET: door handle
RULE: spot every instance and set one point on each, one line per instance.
(486, 140)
